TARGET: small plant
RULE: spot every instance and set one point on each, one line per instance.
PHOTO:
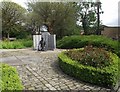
(96, 57)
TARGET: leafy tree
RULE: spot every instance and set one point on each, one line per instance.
(59, 17)
(88, 16)
(12, 17)
(0, 29)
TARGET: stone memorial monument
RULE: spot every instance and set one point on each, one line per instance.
(44, 41)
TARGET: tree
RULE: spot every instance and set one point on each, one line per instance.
(88, 16)
(0, 23)
(59, 17)
(12, 17)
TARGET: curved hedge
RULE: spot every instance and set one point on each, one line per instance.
(107, 77)
(10, 79)
(95, 40)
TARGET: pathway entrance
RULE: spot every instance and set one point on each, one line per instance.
(40, 71)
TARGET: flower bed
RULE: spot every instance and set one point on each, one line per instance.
(106, 76)
(91, 56)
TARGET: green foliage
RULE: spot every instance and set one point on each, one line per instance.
(10, 79)
(94, 40)
(119, 71)
(26, 42)
(22, 34)
(17, 44)
(88, 16)
(96, 57)
(12, 18)
(60, 17)
(107, 76)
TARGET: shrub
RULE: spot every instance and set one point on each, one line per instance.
(107, 76)
(10, 79)
(17, 44)
(12, 45)
(27, 42)
(96, 41)
(96, 57)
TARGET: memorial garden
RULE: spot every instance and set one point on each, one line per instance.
(54, 46)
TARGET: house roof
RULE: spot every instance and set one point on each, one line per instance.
(111, 26)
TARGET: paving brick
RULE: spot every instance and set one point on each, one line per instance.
(31, 88)
(40, 71)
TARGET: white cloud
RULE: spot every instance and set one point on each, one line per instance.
(21, 2)
(110, 16)
(119, 13)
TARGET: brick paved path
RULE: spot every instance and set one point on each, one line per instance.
(40, 71)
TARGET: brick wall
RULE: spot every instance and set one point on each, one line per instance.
(112, 32)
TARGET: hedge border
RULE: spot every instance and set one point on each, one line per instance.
(90, 74)
(10, 80)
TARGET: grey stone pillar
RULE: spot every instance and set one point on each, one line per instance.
(52, 42)
(36, 40)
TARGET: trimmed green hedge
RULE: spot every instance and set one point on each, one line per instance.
(107, 77)
(95, 40)
(10, 79)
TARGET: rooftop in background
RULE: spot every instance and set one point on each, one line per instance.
(111, 26)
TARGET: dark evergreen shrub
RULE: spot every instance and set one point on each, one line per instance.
(71, 42)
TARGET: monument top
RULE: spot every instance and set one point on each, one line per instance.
(44, 28)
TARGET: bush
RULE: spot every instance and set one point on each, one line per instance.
(96, 57)
(107, 76)
(10, 79)
(26, 42)
(96, 41)
(12, 45)
(17, 44)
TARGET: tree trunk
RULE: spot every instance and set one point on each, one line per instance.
(85, 28)
(8, 36)
(85, 25)
(98, 32)
(50, 29)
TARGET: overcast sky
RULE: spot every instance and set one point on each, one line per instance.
(110, 8)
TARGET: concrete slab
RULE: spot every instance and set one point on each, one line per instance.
(11, 58)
